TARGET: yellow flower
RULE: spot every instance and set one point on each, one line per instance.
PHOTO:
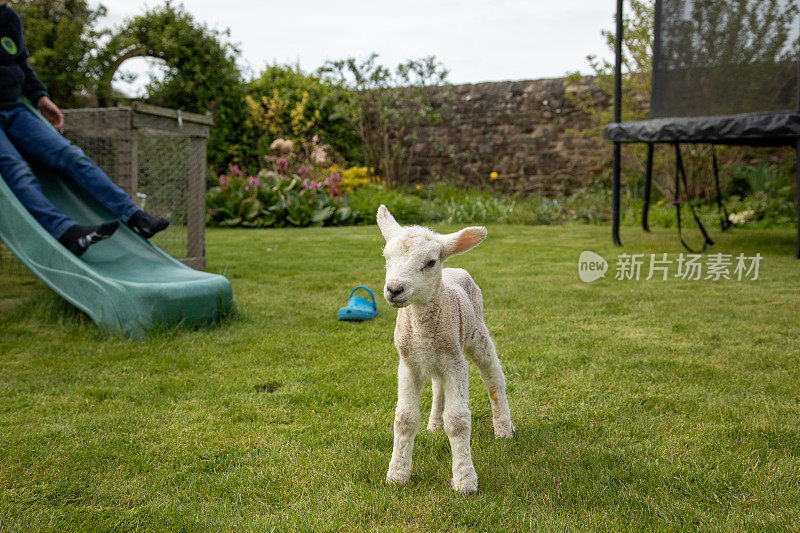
(418, 187)
(493, 175)
(660, 202)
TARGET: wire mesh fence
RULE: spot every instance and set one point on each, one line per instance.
(158, 157)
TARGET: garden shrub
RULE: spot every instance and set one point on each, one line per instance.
(407, 208)
(355, 177)
(278, 198)
(284, 102)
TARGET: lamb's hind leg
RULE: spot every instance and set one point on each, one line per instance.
(437, 406)
(458, 426)
(406, 422)
(485, 358)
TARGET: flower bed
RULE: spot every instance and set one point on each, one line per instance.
(279, 198)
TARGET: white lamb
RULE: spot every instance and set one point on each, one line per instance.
(440, 319)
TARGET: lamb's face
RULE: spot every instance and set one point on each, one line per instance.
(413, 266)
(414, 257)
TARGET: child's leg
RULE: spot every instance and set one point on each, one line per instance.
(37, 142)
(23, 183)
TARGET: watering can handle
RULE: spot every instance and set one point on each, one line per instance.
(366, 289)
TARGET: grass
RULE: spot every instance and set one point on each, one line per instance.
(660, 405)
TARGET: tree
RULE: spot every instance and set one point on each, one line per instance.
(202, 74)
(388, 108)
(637, 60)
(201, 63)
(724, 56)
(62, 37)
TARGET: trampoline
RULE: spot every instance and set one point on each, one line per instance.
(725, 72)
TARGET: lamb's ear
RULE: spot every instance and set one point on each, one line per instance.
(461, 241)
(386, 222)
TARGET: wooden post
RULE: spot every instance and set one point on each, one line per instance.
(125, 154)
(134, 162)
(195, 209)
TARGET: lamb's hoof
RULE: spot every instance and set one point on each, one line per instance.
(433, 425)
(466, 484)
(396, 477)
(504, 430)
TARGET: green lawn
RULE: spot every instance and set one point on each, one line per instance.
(639, 405)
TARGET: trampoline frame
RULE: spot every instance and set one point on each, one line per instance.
(616, 164)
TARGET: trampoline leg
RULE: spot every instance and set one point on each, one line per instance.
(648, 181)
(615, 195)
(797, 196)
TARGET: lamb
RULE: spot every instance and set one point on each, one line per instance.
(439, 321)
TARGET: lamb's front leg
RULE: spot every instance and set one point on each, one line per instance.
(458, 426)
(437, 406)
(406, 422)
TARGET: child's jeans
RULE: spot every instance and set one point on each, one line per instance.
(24, 137)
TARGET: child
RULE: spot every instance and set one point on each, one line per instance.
(25, 137)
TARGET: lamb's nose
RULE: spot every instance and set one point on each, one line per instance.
(395, 290)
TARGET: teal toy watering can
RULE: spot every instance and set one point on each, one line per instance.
(358, 308)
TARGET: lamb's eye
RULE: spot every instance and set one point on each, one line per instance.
(430, 263)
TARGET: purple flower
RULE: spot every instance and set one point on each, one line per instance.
(247, 188)
(314, 185)
(281, 164)
(253, 181)
(235, 170)
(336, 178)
(223, 180)
(302, 171)
(270, 174)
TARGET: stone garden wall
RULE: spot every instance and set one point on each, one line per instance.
(519, 129)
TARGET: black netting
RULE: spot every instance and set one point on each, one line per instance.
(717, 57)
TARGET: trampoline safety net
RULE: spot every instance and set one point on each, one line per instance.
(720, 57)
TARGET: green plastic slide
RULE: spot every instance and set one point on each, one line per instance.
(125, 284)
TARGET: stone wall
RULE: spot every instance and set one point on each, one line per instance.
(519, 129)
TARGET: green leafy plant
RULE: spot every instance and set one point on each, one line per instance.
(278, 198)
(285, 102)
(62, 39)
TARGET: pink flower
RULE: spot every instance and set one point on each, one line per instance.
(281, 165)
(302, 171)
(314, 186)
(235, 170)
(253, 181)
(332, 182)
(247, 188)
(270, 174)
(223, 180)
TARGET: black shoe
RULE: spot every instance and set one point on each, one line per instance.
(146, 224)
(77, 239)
